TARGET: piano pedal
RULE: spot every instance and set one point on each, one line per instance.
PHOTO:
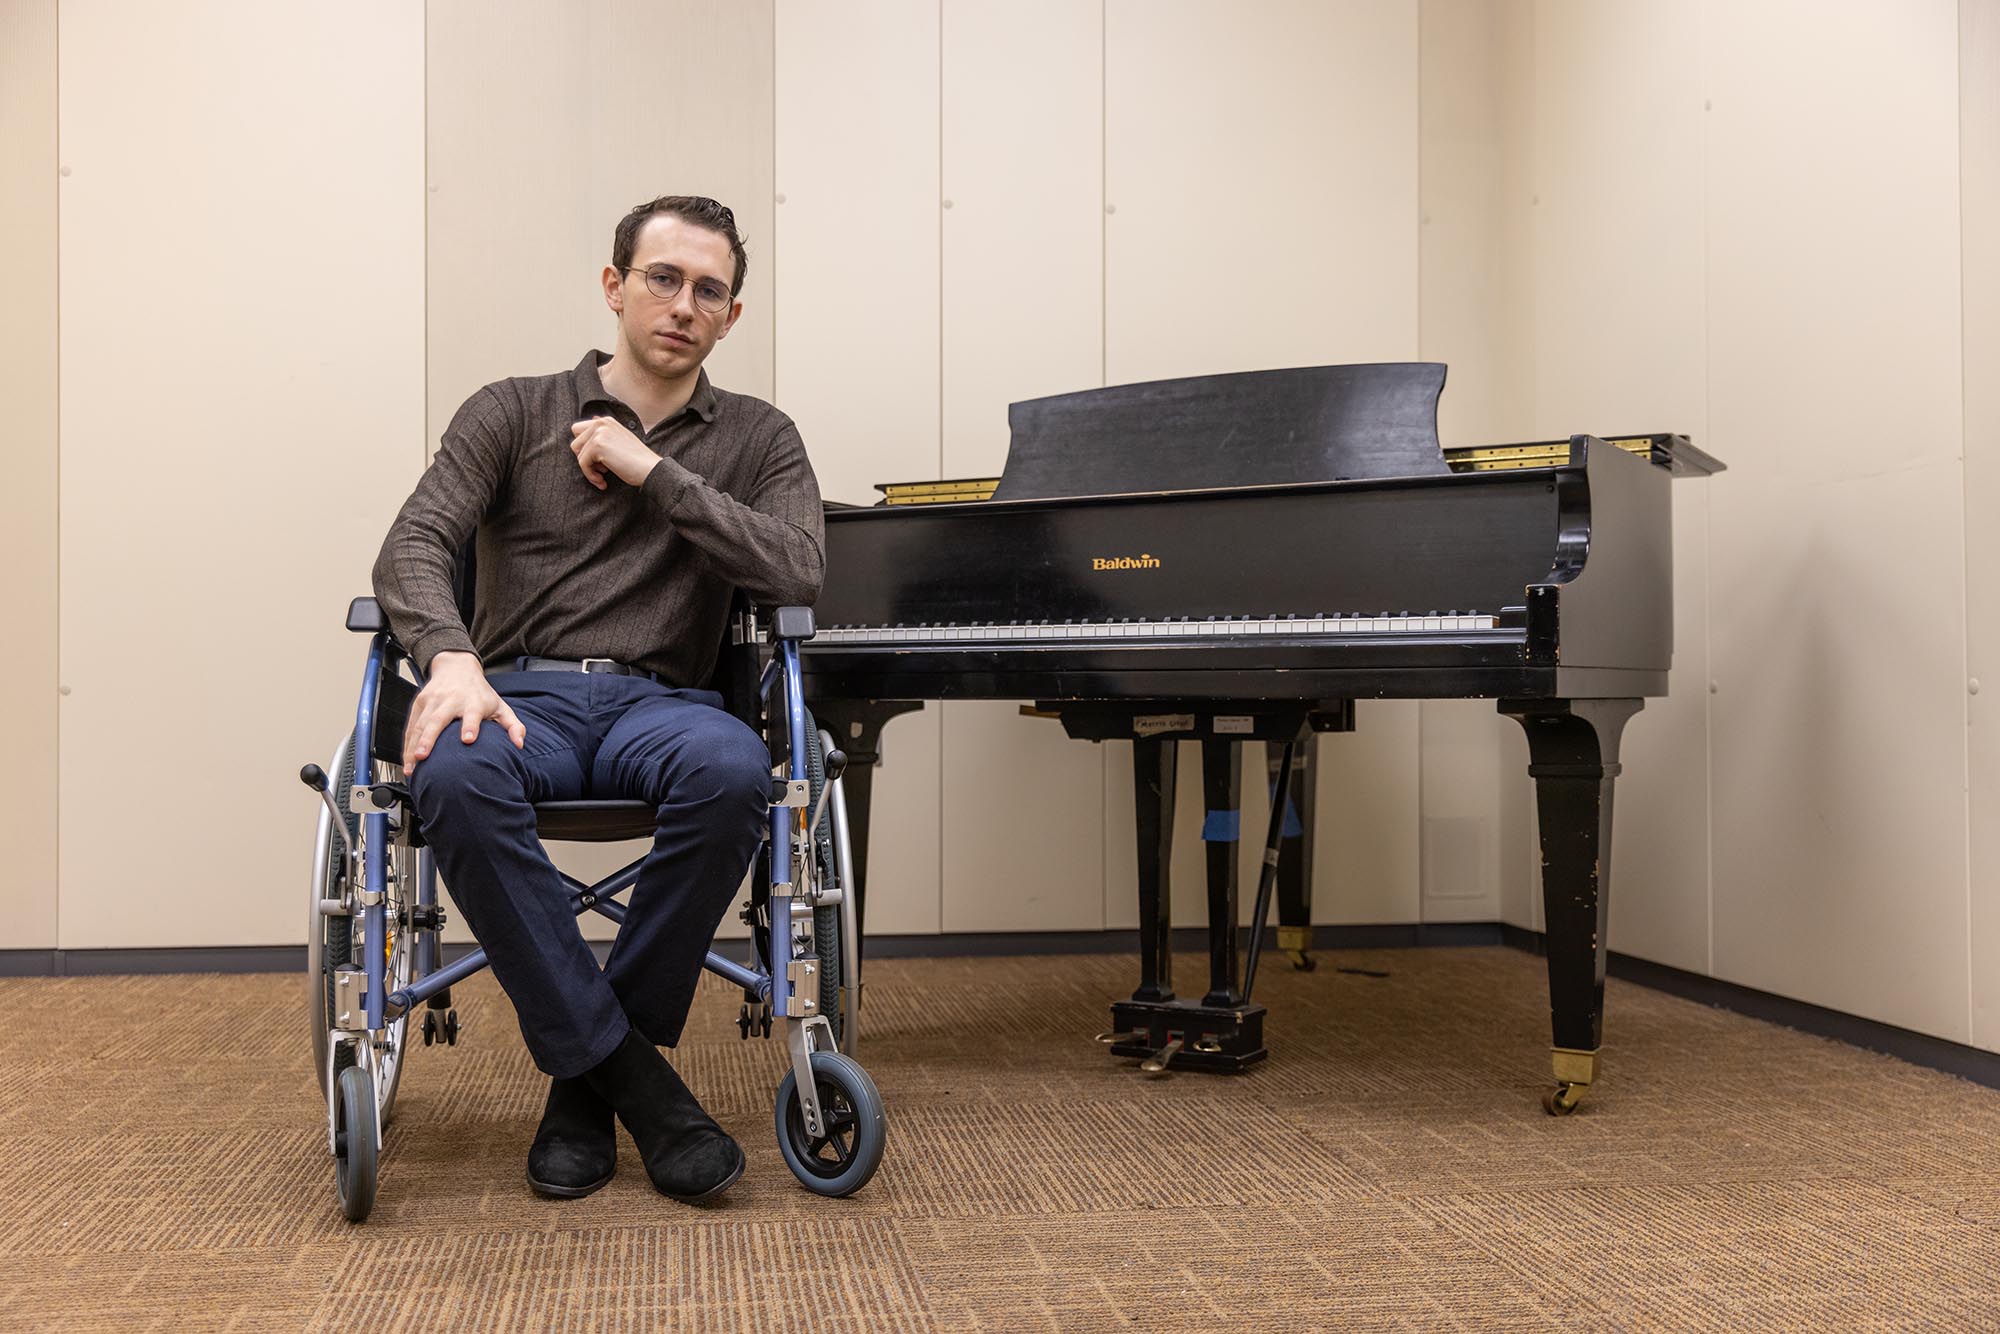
(1208, 1044)
(1157, 1063)
(1113, 1038)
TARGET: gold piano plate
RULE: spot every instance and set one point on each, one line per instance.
(938, 493)
(1672, 452)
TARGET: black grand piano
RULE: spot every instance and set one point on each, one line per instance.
(1240, 557)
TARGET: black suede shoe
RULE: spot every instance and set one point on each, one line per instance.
(688, 1156)
(576, 1150)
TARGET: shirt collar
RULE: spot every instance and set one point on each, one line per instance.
(590, 387)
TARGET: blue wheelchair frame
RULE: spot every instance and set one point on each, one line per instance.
(785, 977)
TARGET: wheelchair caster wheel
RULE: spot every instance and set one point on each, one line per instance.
(842, 1158)
(430, 1027)
(356, 1144)
(450, 1028)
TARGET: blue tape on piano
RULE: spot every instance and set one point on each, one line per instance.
(1222, 827)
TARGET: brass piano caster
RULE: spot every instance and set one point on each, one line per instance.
(1563, 1099)
(1301, 961)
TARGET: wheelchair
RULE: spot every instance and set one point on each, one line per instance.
(374, 955)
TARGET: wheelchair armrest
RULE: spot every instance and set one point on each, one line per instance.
(792, 623)
(365, 615)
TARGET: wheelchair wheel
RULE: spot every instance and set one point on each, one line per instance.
(357, 1142)
(826, 921)
(335, 940)
(844, 1158)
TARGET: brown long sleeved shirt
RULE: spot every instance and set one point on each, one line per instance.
(643, 575)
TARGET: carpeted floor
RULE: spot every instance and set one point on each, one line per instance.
(163, 1165)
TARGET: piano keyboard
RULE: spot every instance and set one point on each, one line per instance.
(1184, 628)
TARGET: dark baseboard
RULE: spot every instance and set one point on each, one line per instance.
(182, 959)
(1953, 1058)
(1191, 939)
(1981, 1067)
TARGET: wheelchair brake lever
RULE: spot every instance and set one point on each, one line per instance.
(314, 777)
(833, 766)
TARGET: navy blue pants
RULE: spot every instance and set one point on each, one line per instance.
(600, 737)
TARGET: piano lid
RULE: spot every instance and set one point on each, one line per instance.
(1252, 428)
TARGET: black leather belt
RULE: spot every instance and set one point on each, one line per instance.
(583, 665)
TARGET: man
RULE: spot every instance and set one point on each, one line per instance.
(617, 507)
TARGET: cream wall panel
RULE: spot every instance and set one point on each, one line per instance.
(1229, 247)
(1262, 162)
(236, 434)
(1464, 322)
(1979, 196)
(858, 330)
(557, 171)
(1023, 293)
(1835, 395)
(524, 191)
(1458, 834)
(1514, 405)
(28, 897)
(1620, 346)
(1023, 238)
(1367, 851)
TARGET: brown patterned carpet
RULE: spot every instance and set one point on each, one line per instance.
(163, 1165)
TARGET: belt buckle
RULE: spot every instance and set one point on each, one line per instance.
(609, 664)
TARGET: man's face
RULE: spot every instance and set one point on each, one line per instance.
(671, 337)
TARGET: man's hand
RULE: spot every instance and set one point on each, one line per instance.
(603, 446)
(456, 692)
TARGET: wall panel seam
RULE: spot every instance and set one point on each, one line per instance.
(57, 888)
(937, 213)
(1964, 534)
(1707, 525)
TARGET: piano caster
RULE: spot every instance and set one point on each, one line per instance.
(1296, 942)
(1156, 1064)
(1563, 1099)
(1574, 1070)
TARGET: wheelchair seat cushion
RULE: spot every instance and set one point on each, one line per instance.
(594, 821)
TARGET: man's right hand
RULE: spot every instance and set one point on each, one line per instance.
(456, 692)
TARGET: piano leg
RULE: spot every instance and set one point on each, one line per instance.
(1222, 786)
(1295, 854)
(1573, 757)
(1153, 762)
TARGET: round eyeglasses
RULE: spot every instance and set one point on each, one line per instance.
(665, 282)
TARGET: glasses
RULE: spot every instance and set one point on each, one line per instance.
(665, 282)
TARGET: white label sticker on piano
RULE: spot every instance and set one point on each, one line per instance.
(1225, 723)
(1152, 724)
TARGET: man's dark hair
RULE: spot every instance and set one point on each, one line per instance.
(696, 210)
